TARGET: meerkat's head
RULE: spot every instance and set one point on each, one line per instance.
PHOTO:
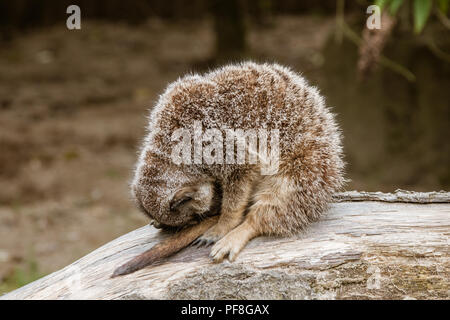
(172, 197)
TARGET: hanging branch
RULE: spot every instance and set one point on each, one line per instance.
(384, 61)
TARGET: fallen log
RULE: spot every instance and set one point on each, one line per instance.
(368, 246)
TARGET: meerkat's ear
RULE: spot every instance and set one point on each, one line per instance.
(198, 196)
(182, 197)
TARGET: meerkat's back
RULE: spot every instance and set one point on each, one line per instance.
(246, 96)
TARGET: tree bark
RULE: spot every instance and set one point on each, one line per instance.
(368, 246)
(229, 28)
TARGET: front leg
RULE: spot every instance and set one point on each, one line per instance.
(235, 198)
(234, 242)
(270, 214)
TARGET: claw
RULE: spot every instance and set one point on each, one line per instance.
(157, 225)
(200, 242)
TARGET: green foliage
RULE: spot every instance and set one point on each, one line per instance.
(381, 3)
(395, 5)
(20, 277)
(421, 10)
(392, 5)
(443, 6)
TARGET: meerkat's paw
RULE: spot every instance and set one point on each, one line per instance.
(232, 243)
(155, 224)
(227, 247)
(212, 235)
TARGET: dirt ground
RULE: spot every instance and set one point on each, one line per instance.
(73, 107)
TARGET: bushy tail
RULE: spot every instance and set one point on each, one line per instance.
(166, 248)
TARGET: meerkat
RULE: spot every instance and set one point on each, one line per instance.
(246, 203)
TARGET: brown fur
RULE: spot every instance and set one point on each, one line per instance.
(245, 96)
(166, 248)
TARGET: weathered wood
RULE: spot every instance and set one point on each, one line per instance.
(360, 250)
(398, 196)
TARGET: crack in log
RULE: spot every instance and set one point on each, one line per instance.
(398, 196)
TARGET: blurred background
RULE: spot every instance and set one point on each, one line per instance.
(73, 103)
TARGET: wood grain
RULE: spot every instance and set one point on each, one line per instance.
(396, 247)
